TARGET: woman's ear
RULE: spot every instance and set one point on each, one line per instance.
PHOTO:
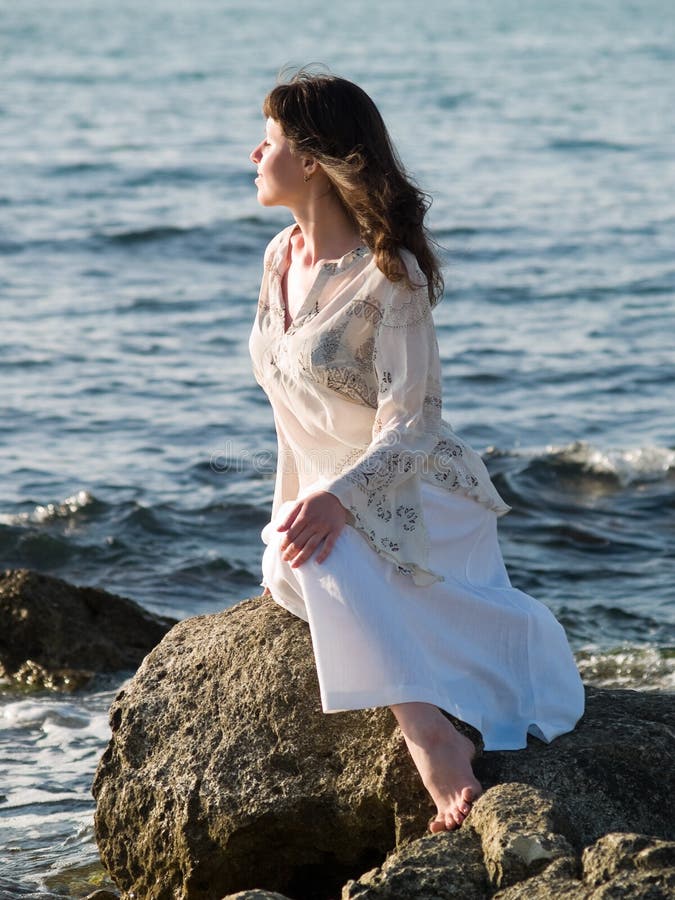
(309, 167)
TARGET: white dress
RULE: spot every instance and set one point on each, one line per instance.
(413, 603)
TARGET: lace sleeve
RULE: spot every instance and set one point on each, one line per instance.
(405, 361)
(381, 489)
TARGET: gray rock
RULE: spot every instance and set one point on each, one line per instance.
(509, 837)
(56, 635)
(512, 838)
(224, 775)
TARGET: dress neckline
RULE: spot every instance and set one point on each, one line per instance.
(325, 271)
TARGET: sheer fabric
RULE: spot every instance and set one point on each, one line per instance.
(354, 384)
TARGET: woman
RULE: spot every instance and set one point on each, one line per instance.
(383, 531)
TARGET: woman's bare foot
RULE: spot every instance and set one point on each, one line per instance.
(443, 758)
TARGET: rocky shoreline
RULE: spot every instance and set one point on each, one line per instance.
(223, 777)
(58, 636)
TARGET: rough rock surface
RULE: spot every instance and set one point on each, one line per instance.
(223, 775)
(444, 867)
(516, 845)
(56, 635)
(616, 867)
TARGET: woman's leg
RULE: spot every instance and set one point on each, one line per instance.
(443, 758)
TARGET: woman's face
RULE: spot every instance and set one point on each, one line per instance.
(280, 178)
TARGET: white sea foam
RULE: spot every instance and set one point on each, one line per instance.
(64, 509)
(60, 736)
(49, 748)
(31, 714)
(630, 666)
(50, 511)
(630, 466)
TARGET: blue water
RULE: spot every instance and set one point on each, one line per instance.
(137, 452)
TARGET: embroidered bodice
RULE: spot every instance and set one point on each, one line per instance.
(355, 389)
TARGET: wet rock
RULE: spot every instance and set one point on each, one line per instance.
(224, 775)
(56, 635)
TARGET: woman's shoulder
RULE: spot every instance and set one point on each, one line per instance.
(415, 275)
(404, 301)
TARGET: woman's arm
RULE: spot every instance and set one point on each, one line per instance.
(408, 414)
(404, 430)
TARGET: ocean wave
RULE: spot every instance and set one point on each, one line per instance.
(452, 101)
(79, 168)
(628, 666)
(151, 234)
(160, 304)
(574, 145)
(216, 241)
(52, 512)
(201, 571)
(625, 467)
(31, 714)
(171, 176)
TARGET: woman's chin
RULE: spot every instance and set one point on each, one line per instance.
(263, 199)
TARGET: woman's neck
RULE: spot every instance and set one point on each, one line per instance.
(326, 231)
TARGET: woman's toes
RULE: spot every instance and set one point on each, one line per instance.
(468, 795)
(450, 822)
(464, 808)
(437, 825)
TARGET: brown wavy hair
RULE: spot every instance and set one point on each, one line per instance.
(335, 122)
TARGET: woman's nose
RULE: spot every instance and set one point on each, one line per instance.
(254, 156)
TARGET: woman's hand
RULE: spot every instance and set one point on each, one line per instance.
(317, 518)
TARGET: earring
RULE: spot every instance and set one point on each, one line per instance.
(306, 178)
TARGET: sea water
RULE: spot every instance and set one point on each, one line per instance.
(137, 451)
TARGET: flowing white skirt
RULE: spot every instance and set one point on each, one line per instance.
(471, 645)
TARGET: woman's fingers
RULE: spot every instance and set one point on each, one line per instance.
(299, 554)
(308, 548)
(295, 539)
(328, 544)
(290, 518)
(317, 519)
